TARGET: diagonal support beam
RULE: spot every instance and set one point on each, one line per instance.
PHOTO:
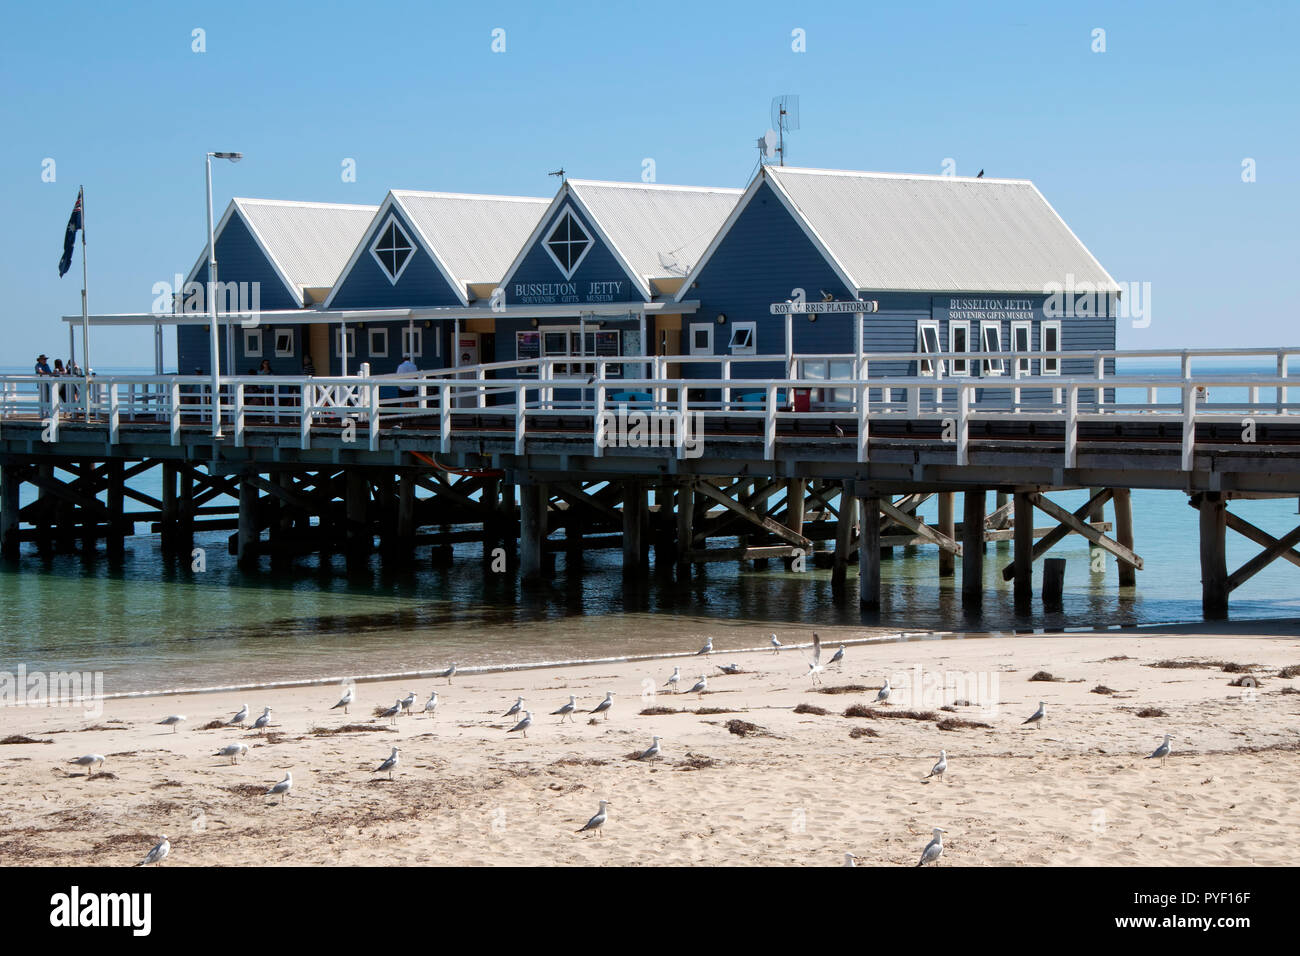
(785, 534)
(918, 527)
(1259, 562)
(1068, 522)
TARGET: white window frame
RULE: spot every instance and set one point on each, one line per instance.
(351, 343)
(1050, 366)
(928, 366)
(392, 220)
(958, 366)
(992, 366)
(416, 339)
(284, 353)
(370, 343)
(253, 336)
(1026, 365)
(691, 348)
(550, 233)
(751, 330)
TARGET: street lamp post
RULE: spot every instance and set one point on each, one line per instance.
(212, 295)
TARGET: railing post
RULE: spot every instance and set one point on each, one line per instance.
(864, 417)
(304, 412)
(114, 413)
(963, 433)
(374, 417)
(769, 423)
(679, 439)
(239, 415)
(175, 410)
(598, 421)
(1281, 391)
(55, 411)
(726, 389)
(482, 387)
(1071, 425)
(521, 403)
(444, 416)
(1189, 425)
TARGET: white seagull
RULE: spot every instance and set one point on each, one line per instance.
(700, 687)
(815, 662)
(567, 710)
(732, 668)
(158, 853)
(1036, 718)
(431, 705)
(883, 696)
(672, 681)
(518, 706)
(706, 650)
(604, 706)
(598, 821)
(392, 712)
(408, 702)
(524, 724)
(450, 672)
(282, 788)
(89, 761)
(240, 718)
(233, 751)
(850, 859)
(653, 750)
(933, 849)
(345, 701)
(264, 721)
(938, 769)
(839, 656)
(1161, 752)
(390, 764)
(776, 645)
(174, 721)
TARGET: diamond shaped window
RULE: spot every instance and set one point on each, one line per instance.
(392, 249)
(568, 244)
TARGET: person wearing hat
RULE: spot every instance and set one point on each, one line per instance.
(43, 364)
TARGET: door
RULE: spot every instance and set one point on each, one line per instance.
(318, 347)
(467, 353)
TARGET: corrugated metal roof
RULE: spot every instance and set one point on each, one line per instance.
(938, 233)
(311, 242)
(476, 237)
(660, 230)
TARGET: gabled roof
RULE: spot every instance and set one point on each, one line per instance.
(655, 231)
(471, 238)
(892, 232)
(306, 243)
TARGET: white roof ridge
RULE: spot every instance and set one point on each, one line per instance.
(868, 174)
(436, 194)
(725, 190)
(306, 204)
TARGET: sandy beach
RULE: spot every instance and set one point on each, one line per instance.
(781, 788)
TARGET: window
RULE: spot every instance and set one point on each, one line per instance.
(1020, 343)
(701, 341)
(744, 338)
(835, 369)
(1049, 334)
(253, 343)
(567, 243)
(378, 343)
(927, 340)
(959, 341)
(392, 249)
(351, 342)
(413, 342)
(284, 343)
(991, 340)
(565, 342)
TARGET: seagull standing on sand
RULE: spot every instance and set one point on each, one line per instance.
(604, 706)
(938, 769)
(567, 710)
(174, 721)
(850, 859)
(933, 849)
(700, 687)
(262, 722)
(282, 788)
(345, 701)
(839, 656)
(1036, 718)
(653, 750)
(390, 764)
(89, 761)
(524, 724)
(518, 706)
(431, 705)
(392, 712)
(706, 650)
(158, 853)
(240, 718)
(408, 702)
(233, 751)
(450, 672)
(672, 681)
(598, 821)
(1161, 752)
(883, 696)
(776, 645)
(815, 662)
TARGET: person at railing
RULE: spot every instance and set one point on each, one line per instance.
(405, 391)
(43, 368)
(308, 366)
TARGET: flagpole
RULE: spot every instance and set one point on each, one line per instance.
(85, 316)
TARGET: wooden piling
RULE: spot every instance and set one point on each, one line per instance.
(1124, 534)
(1023, 527)
(116, 500)
(843, 540)
(634, 513)
(795, 491)
(947, 527)
(972, 550)
(685, 528)
(1214, 565)
(1053, 583)
(10, 483)
(248, 535)
(532, 531)
(168, 517)
(869, 552)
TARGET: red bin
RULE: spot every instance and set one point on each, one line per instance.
(802, 399)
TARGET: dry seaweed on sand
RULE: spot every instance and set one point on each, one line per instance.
(660, 711)
(1151, 712)
(1287, 673)
(862, 710)
(705, 711)
(743, 728)
(846, 689)
(1045, 675)
(213, 725)
(857, 732)
(811, 709)
(958, 723)
(1102, 689)
(349, 729)
(21, 739)
(694, 761)
(246, 790)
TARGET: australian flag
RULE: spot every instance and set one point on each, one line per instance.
(70, 237)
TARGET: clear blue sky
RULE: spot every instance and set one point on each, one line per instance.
(1140, 148)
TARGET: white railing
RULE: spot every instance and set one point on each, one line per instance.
(561, 395)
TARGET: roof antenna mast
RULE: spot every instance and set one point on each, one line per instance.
(785, 116)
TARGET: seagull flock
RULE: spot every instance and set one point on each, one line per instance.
(524, 719)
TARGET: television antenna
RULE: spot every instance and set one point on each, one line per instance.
(785, 116)
(767, 144)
